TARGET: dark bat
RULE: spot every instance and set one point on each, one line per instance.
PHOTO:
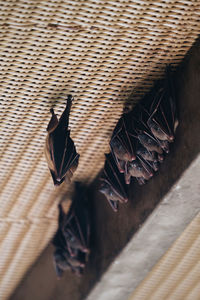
(140, 169)
(72, 237)
(146, 154)
(60, 150)
(121, 144)
(113, 183)
(142, 132)
(162, 119)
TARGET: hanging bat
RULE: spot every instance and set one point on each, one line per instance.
(60, 150)
(142, 132)
(121, 144)
(113, 183)
(138, 168)
(155, 117)
(72, 237)
(64, 261)
(162, 113)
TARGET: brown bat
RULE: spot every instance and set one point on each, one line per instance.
(161, 109)
(60, 150)
(121, 144)
(73, 235)
(113, 183)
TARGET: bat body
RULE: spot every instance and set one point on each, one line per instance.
(141, 139)
(162, 112)
(137, 168)
(60, 150)
(146, 154)
(113, 183)
(72, 237)
(149, 143)
(121, 145)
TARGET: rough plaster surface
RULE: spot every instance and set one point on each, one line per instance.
(162, 228)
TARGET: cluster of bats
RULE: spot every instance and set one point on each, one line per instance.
(71, 240)
(138, 145)
(140, 141)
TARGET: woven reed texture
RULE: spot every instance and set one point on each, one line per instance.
(99, 51)
(177, 275)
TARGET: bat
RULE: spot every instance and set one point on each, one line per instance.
(72, 238)
(162, 113)
(121, 144)
(142, 132)
(138, 168)
(140, 140)
(113, 183)
(60, 150)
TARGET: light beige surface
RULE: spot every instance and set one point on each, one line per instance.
(177, 275)
(101, 52)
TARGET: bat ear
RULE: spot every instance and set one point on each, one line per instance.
(53, 122)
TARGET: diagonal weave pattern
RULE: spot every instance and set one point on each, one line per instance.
(101, 52)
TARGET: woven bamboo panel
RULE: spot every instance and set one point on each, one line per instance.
(177, 275)
(99, 51)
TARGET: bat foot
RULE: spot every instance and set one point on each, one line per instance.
(52, 111)
(69, 98)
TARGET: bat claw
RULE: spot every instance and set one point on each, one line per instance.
(52, 111)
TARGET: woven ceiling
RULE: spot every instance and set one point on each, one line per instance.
(99, 51)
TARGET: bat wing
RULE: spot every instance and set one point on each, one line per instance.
(171, 108)
(60, 150)
(63, 152)
(163, 114)
(76, 226)
(82, 215)
(72, 237)
(115, 183)
(121, 142)
(113, 204)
